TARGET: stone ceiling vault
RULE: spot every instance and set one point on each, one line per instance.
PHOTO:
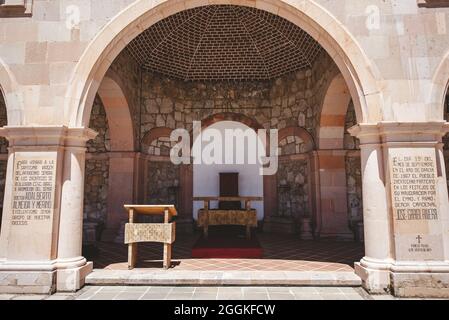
(224, 42)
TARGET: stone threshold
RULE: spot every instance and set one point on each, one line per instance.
(222, 278)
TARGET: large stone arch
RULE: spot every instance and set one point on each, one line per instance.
(11, 95)
(333, 114)
(439, 89)
(308, 15)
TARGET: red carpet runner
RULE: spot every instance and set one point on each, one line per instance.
(227, 244)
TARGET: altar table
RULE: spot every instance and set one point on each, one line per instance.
(212, 217)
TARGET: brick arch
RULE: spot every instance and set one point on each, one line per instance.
(298, 132)
(115, 102)
(310, 16)
(333, 114)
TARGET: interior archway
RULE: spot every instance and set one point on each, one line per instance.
(164, 91)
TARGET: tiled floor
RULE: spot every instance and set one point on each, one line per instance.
(208, 293)
(222, 293)
(281, 252)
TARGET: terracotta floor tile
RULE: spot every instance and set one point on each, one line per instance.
(281, 252)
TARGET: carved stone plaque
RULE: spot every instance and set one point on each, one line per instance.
(413, 177)
(31, 218)
(33, 190)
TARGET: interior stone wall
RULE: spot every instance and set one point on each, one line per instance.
(446, 140)
(156, 100)
(162, 182)
(353, 171)
(290, 100)
(3, 150)
(293, 180)
(350, 142)
(97, 167)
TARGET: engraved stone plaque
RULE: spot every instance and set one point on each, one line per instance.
(413, 178)
(32, 204)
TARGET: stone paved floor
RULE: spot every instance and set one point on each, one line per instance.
(281, 252)
(208, 293)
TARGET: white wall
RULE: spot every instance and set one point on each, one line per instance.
(206, 176)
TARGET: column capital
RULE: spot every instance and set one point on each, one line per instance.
(24, 136)
(402, 132)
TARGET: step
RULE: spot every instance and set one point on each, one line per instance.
(225, 278)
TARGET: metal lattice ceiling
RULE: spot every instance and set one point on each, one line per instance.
(224, 42)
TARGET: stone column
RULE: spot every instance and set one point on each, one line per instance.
(405, 208)
(41, 231)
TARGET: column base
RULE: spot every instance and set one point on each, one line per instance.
(28, 282)
(374, 281)
(42, 278)
(426, 281)
(71, 280)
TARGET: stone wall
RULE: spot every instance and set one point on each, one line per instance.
(99, 123)
(3, 150)
(293, 188)
(96, 190)
(350, 142)
(354, 183)
(446, 140)
(162, 182)
(353, 171)
(290, 100)
(97, 167)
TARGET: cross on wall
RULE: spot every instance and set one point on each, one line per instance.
(419, 238)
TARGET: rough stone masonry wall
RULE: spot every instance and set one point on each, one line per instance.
(162, 183)
(293, 180)
(290, 100)
(3, 150)
(97, 167)
(353, 170)
(446, 140)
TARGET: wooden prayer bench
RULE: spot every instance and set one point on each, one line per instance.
(150, 232)
(213, 217)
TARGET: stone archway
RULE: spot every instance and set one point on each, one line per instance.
(311, 17)
(11, 95)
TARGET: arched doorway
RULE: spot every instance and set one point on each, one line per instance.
(304, 96)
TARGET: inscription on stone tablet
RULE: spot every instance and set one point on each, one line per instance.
(33, 190)
(414, 195)
(413, 180)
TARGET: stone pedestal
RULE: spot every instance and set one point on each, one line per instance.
(40, 240)
(406, 209)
